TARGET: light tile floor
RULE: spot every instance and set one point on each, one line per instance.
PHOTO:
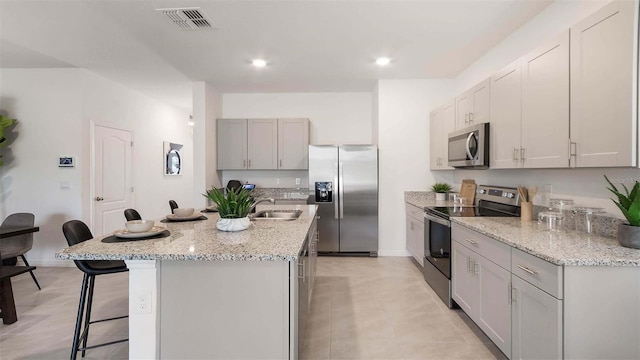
(381, 308)
(362, 308)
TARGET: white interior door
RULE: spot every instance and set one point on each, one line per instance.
(112, 178)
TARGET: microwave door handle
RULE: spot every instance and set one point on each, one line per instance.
(468, 146)
(437, 220)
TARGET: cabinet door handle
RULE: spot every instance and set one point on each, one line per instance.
(522, 153)
(513, 294)
(301, 271)
(509, 293)
(249, 162)
(475, 268)
(527, 270)
(468, 265)
(573, 152)
(470, 118)
(466, 118)
(280, 162)
(516, 154)
(472, 242)
(99, 198)
(244, 163)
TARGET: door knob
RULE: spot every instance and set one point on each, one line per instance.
(99, 198)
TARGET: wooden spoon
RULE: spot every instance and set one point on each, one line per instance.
(532, 192)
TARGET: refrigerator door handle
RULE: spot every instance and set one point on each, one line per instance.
(335, 198)
(341, 189)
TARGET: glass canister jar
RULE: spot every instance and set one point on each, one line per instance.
(561, 205)
(584, 218)
(551, 220)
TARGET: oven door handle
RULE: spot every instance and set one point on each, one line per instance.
(438, 220)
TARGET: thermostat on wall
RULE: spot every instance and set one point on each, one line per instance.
(66, 161)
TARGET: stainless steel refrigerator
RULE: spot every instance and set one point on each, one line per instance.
(343, 182)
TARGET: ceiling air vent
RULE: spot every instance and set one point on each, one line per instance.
(187, 18)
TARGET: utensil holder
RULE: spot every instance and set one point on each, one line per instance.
(526, 211)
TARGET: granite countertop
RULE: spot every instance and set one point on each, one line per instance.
(569, 247)
(264, 240)
(424, 199)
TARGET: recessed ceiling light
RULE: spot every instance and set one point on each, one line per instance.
(383, 61)
(259, 63)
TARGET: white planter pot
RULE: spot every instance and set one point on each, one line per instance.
(237, 224)
(441, 196)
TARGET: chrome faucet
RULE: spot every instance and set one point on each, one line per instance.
(260, 201)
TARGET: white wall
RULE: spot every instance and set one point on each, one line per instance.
(585, 186)
(403, 133)
(56, 108)
(207, 107)
(336, 118)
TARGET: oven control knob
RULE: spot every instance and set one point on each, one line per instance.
(481, 191)
(511, 195)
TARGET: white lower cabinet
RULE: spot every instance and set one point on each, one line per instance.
(415, 233)
(536, 323)
(482, 289)
(494, 309)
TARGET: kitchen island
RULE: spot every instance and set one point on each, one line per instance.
(202, 293)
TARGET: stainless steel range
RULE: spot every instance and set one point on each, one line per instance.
(490, 201)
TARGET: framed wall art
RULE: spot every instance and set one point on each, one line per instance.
(172, 158)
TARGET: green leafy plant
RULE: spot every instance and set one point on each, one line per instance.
(441, 187)
(5, 122)
(628, 203)
(236, 204)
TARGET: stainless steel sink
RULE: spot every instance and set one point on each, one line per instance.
(283, 215)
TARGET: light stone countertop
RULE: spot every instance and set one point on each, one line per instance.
(422, 199)
(264, 240)
(569, 248)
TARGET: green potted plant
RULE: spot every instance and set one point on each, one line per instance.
(441, 190)
(234, 208)
(629, 204)
(5, 122)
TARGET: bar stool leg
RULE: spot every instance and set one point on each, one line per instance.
(87, 321)
(76, 334)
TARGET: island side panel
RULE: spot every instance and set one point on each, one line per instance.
(224, 310)
(144, 317)
(602, 312)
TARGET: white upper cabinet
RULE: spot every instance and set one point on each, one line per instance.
(506, 116)
(473, 106)
(545, 105)
(603, 123)
(263, 144)
(530, 109)
(442, 123)
(232, 143)
(293, 143)
(262, 141)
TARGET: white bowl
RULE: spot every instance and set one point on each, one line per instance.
(139, 225)
(183, 212)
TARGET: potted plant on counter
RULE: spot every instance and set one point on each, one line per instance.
(629, 204)
(441, 190)
(234, 208)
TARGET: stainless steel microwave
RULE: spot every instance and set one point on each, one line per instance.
(469, 147)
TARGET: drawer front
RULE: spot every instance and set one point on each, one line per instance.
(415, 212)
(494, 250)
(539, 273)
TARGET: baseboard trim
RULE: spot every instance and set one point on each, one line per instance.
(393, 253)
(51, 263)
